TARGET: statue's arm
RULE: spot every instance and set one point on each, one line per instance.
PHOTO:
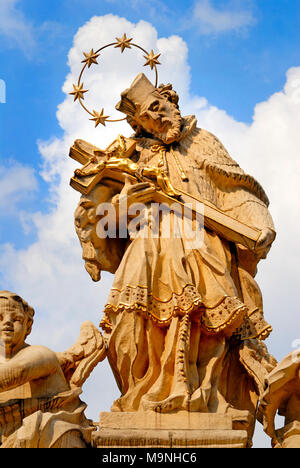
(238, 195)
(132, 193)
(249, 209)
(255, 213)
(29, 364)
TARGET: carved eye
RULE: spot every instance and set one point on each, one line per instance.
(18, 318)
(154, 106)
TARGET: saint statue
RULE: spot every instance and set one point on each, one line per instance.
(183, 325)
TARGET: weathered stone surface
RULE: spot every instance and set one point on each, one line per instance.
(183, 322)
(182, 429)
(282, 395)
(288, 436)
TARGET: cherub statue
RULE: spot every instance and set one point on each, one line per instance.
(39, 389)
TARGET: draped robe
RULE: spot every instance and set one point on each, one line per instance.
(175, 317)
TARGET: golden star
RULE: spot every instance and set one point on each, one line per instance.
(152, 59)
(78, 92)
(99, 118)
(123, 43)
(90, 58)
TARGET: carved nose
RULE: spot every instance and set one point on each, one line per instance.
(7, 321)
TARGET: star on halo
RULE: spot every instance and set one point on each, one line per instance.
(90, 58)
(123, 42)
(78, 92)
(152, 59)
(99, 118)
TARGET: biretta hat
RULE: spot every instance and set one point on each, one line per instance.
(135, 96)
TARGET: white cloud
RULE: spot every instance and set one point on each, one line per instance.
(16, 183)
(50, 272)
(268, 148)
(15, 28)
(212, 20)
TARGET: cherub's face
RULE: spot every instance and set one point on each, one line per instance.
(13, 323)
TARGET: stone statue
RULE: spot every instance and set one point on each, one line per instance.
(182, 227)
(282, 394)
(39, 389)
(182, 325)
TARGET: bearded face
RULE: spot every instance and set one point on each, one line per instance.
(99, 254)
(160, 118)
(154, 110)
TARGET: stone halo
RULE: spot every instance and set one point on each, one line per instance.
(91, 58)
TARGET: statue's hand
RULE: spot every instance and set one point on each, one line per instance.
(141, 192)
(264, 242)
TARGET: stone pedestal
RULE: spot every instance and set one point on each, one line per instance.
(180, 430)
(289, 436)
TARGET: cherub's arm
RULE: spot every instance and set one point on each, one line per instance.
(31, 363)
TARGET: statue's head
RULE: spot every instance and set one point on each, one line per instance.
(152, 110)
(16, 319)
(98, 253)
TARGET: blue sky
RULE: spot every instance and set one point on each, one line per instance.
(234, 68)
(241, 61)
